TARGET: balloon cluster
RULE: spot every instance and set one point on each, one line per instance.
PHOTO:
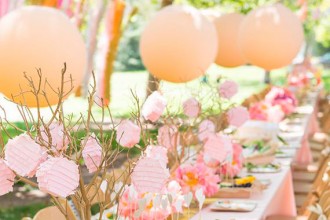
(179, 44)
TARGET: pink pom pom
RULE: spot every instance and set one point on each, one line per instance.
(238, 116)
(24, 155)
(58, 176)
(228, 89)
(92, 154)
(191, 107)
(154, 107)
(128, 134)
(7, 178)
(59, 139)
(205, 129)
(218, 147)
(157, 152)
(168, 136)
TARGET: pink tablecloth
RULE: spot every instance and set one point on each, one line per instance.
(277, 199)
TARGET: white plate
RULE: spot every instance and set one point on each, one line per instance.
(261, 169)
(233, 206)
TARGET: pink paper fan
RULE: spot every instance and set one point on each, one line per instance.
(191, 107)
(59, 139)
(58, 176)
(24, 155)
(157, 152)
(149, 175)
(154, 107)
(205, 129)
(218, 147)
(7, 177)
(128, 134)
(92, 154)
(168, 136)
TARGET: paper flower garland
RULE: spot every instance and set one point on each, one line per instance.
(154, 107)
(59, 139)
(58, 176)
(191, 107)
(149, 175)
(24, 155)
(92, 154)
(6, 178)
(128, 134)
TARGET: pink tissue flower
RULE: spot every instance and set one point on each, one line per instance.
(168, 136)
(7, 177)
(191, 107)
(234, 167)
(282, 97)
(128, 134)
(92, 154)
(263, 111)
(218, 147)
(154, 107)
(194, 177)
(59, 140)
(228, 89)
(58, 176)
(157, 152)
(24, 155)
(205, 129)
(237, 116)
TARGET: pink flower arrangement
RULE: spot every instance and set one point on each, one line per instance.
(168, 136)
(92, 154)
(59, 140)
(205, 129)
(7, 177)
(191, 107)
(194, 177)
(228, 89)
(233, 168)
(282, 97)
(237, 116)
(154, 107)
(128, 134)
(263, 111)
(24, 155)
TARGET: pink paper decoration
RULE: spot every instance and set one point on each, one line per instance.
(168, 136)
(154, 107)
(7, 177)
(92, 154)
(218, 147)
(59, 139)
(238, 116)
(58, 176)
(128, 134)
(149, 175)
(191, 107)
(157, 152)
(24, 155)
(205, 129)
(228, 89)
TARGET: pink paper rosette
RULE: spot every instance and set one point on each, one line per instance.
(218, 146)
(128, 134)
(168, 136)
(59, 140)
(237, 116)
(228, 89)
(154, 107)
(158, 153)
(58, 176)
(191, 107)
(205, 129)
(24, 155)
(92, 154)
(7, 177)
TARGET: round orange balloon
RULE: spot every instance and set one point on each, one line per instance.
(179, 44)
(39, 37)
(229, 52)
(271, 36)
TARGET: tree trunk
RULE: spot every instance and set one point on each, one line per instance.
(153, 82)
(267, 79)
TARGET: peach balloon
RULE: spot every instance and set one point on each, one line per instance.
(271, 36)
(229, 52)
(178, 44)
(39, 37)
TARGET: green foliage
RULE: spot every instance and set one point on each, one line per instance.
(16, 213)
